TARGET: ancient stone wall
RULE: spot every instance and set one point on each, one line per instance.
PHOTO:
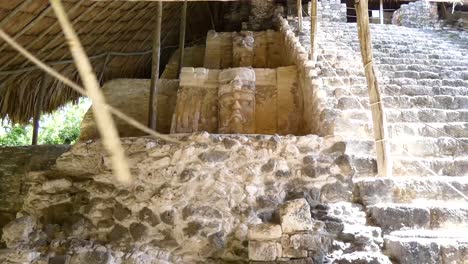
(420, 14)
(260, 49)
(331, 11)
(269, 101)
(306, 80)
(15, 163)
(193, 57)
(188, 203)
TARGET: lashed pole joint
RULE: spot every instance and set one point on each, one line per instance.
(152, 115)
(384, 164)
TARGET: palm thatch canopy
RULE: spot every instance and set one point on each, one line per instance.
(117, 36)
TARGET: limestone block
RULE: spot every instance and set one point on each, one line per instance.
(266, 101)
(243, 49)
(196, 108)
(131, 96)
(288, 100)
(55, 186)
(218, 53)
(306, 241)
(264, 250)
(294, 253)
(18, 231)
(193, 57)
(295, 216)
(260, 49)
(274, 49)
(263, 232)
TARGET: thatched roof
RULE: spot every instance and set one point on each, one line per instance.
(117, 34)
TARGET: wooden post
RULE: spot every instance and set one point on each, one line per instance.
(152, 115)
(381, 12)
(384, 165)
(299, 15)
(313, 27)
(183, 23)
(38, 108)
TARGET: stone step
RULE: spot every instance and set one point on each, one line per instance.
(408, 60)
(407, 165)
(373, 190)
(427, 214)
(405, 102)
(420, 67)
(412, 115)
(417, 146)
(427, 246)
(363, 129)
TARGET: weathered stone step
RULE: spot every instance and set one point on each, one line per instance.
(404, 102)
(427, 246)
(403, 60)
(363, 129)
(417, 146)
(427, 214)
(409, 115)
(447, 166)
(408, 165)
(457, 130)
(374, 190)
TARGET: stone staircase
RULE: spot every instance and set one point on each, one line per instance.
(423, 76)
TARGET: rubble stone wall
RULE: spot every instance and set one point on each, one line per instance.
(420, 14)
(331, 11)
(188, 203)
(296, 54)
(15, 162)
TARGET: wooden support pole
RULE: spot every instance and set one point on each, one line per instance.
(299, 15)
(152, 115)
(381, 12)
(313, 28)
(384, 165)
(183, 24)
(38, 108)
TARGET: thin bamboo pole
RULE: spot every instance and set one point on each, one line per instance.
(381, 12)
(384, 165)
(104, 121)
(313, 28)
(38, 108)
(155, 69)
(183, 24)
(299, 15)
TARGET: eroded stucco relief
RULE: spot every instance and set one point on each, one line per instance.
(238, 101)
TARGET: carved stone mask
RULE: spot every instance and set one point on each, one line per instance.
(237, 101)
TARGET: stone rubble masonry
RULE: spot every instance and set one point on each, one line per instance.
(226, 49)
(419, 14)
(296, 236)
(15, 163)
(312, 101)
(331, 11)
(189, 202)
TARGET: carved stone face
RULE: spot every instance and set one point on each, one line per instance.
(237, 101)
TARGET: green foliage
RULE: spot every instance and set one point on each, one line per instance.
(60, 127)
